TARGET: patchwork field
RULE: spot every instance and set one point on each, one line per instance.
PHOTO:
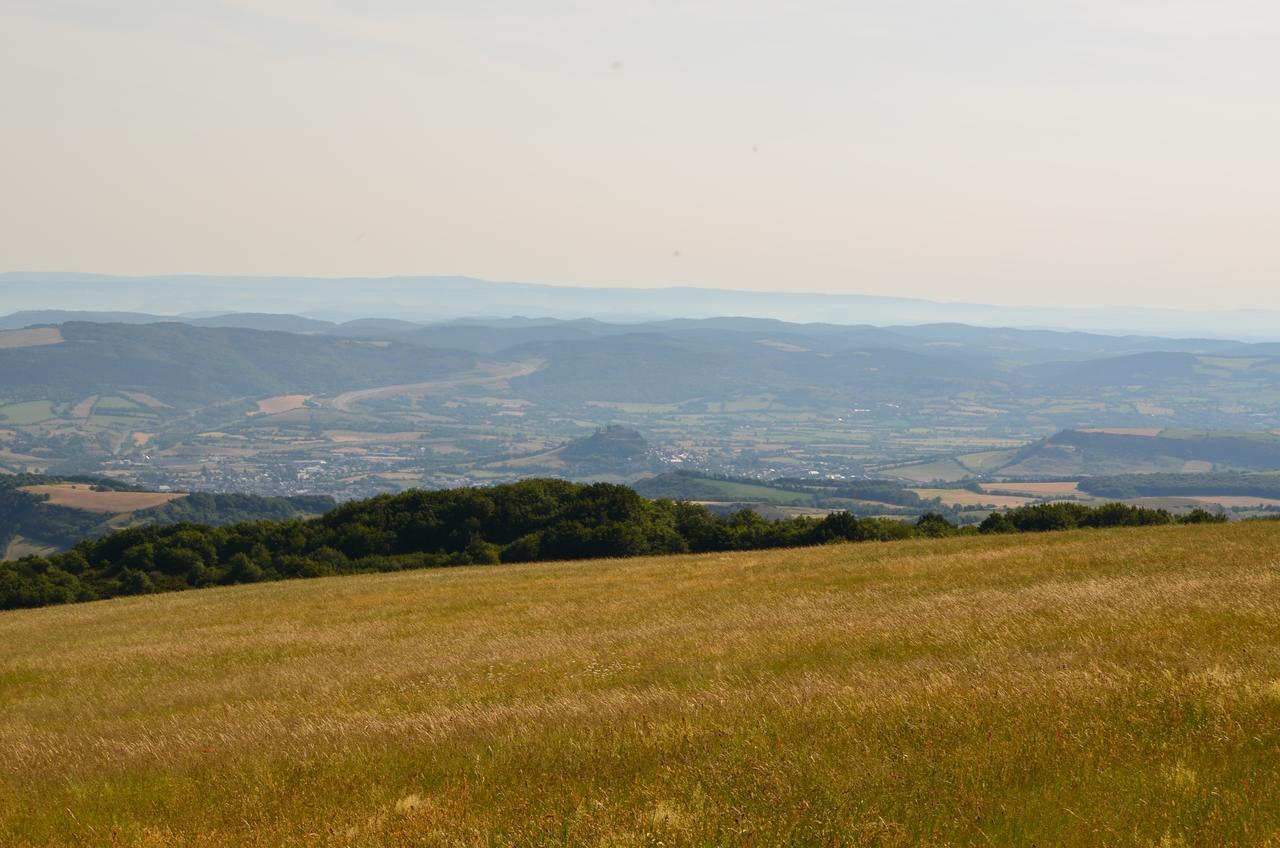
(82, 496)
(1079, 689)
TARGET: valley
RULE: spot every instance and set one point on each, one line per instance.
(280, 407)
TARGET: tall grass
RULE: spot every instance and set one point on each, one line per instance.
(1087, 688)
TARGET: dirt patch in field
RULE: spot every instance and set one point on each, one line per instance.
(140, 439)
(81, 496)
(34, 337)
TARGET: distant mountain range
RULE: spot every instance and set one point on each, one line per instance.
(211, 358)
(437, 299)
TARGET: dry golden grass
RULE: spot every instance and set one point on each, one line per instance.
(84, 408)
(34, 337)
(964, 497)
(280, 403)
(1039, 490)
(82, 496)
(1150, 432)
(1077, 689)
(1229, 501)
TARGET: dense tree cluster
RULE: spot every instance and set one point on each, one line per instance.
(1070, 516)
(520, 522)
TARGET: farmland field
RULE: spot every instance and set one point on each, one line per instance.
(281, 403)
(19, 547)
(1231, 501)
(82, 496)
(31, 412)
(964, 497)
(31, 337)
(944, 470)
(1038, 490)
(1077, 689)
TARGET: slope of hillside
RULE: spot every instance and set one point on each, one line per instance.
(1136, 451)
(179, 363)
(46, 514)
(1113, 687)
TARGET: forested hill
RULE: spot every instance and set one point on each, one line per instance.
(181, 364)
(531, 520)
(96, 506)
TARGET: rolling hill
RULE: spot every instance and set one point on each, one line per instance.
(183, 364)
(1065, 689)
(1119, 451)
(389, 404)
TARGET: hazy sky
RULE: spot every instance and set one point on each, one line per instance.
(1023, 151)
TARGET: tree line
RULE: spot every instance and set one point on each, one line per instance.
(1126, 486)
(527, 521)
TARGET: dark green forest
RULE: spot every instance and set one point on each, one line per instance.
(1125, 486)
(521, 522)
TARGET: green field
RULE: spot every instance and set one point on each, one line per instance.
(111, 402)
(22, 414)
(732, 490)
(1085, 688)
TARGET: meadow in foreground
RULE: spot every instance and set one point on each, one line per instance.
(1115, 687)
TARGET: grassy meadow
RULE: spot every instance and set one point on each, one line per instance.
(1072, 689)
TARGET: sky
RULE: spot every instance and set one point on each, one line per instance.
(1029, 152)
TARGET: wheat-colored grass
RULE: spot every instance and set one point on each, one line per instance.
(280, 403)
(1077, 689)
(964, 497)
(83, 496)
(30, 337)
(1038, 490)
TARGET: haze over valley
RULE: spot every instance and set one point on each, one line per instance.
(639, 425)
(279, 404)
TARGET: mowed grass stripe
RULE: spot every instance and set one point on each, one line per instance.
(1086, 688)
